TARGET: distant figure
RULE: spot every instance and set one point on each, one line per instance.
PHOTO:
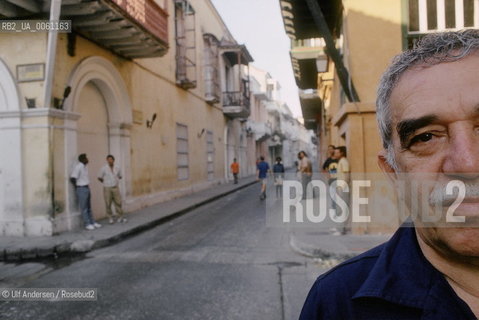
(80, 180)
(298, 173)
(306, 170)
(343, 176)
(110, 175)
(235, 170)
(278, 172)
(329, 160)
(332, 174)
(262, 174)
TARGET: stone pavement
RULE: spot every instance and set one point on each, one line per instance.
(24, 248)
(323, 241)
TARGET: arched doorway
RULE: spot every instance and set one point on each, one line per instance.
(93, 139)
(101, 98)
(11, 174)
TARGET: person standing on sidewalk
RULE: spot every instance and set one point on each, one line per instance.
(278, 172)
(110, 175)
(306, 170)
(235, 170)
(331, 167)
(329, 160)
(262, 174)
(79, 178)
(343, 179)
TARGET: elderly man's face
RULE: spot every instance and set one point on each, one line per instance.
(435, 113)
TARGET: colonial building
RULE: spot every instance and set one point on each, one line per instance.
(339, 49)
(160, 84)
(276, 133)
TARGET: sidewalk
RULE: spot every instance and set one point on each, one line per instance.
(21, 248)
(326, 245)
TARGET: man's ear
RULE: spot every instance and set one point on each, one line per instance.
(386, 167)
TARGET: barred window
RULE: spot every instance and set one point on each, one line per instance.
(210, 155)
(182, 161)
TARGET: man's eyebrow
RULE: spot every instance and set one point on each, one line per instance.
(407, 127)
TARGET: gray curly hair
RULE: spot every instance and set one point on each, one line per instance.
(432, 49)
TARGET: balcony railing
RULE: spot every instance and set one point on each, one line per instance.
(236, 104)
(235, 98)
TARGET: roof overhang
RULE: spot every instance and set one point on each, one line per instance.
(131, 29)
(299, 22)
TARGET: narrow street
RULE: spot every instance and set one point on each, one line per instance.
(219, 261)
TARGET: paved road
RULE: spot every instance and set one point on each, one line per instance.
(220, 261)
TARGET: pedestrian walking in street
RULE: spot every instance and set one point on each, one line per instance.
(110, 175)
(235, 170)
(343, 179)
(278, 172)
(79, 178)
(306, 171)
(262, 174)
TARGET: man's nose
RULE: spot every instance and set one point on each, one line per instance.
(462, 157)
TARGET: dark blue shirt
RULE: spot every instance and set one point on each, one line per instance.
(278, 167)
(391, 281)
(263, 168)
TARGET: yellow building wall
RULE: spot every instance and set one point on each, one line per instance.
(152, 89)
(372, 36)
(24, 48)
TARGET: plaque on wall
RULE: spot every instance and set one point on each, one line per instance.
(30, 72)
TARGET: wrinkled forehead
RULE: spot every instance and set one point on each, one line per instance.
(424, 86)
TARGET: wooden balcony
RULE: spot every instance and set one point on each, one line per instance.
(129, 28)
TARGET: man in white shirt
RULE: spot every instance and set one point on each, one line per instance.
(110, 175)
(80, 180)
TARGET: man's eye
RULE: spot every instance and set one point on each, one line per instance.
(424, 137)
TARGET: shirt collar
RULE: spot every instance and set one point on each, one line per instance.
(401, 273)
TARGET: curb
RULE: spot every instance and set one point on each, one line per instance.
(316, 253)
(83, 246)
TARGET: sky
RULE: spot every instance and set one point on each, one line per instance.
(258, 24)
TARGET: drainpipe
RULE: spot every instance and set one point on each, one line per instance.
(51, 52)
(331, 50)
(47, 94)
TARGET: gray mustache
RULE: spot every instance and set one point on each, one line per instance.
(439, 197)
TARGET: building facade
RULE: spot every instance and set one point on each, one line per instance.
(161, 85)
(276, 133)
(339, 50)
